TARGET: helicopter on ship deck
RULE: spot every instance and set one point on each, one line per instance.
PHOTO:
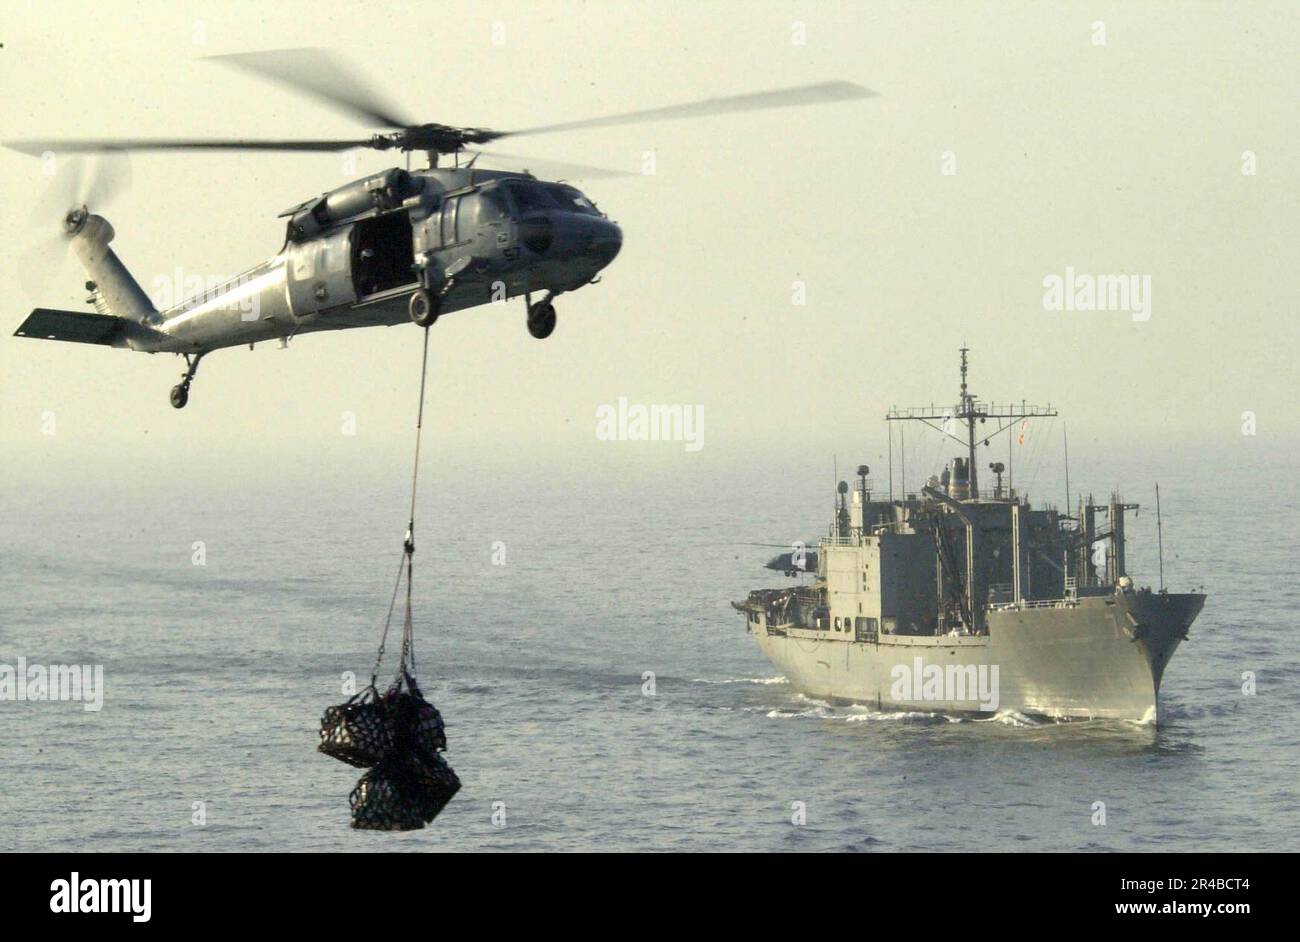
(393, 246)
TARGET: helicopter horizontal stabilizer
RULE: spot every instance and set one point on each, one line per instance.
(74, 326)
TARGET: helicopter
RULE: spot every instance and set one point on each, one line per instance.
(393, 246)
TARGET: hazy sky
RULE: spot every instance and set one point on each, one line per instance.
(1122, 157)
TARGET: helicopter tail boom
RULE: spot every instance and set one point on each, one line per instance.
(112, 288)
(122, 310)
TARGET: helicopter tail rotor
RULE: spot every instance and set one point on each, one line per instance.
(74, 184)
(64, 220)
(61, 209)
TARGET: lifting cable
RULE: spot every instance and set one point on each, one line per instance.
(397, 735)
(407, 663)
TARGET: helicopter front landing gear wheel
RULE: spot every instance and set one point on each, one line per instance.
(423, 308)
(541, 318)
(180, 393)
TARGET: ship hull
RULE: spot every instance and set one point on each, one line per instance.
(1100, 657)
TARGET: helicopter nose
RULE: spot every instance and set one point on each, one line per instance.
(606, 242)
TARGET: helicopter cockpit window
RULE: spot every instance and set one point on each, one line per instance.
(571, 199)
(491, 206)
(530, 197)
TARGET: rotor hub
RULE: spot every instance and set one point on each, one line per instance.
(436, 138)
(75, 220)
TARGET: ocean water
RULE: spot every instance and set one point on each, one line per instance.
(216, 675)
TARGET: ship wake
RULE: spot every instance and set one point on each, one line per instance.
(766, 681)
(805, 707)
(801, 706)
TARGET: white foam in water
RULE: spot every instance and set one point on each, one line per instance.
(901, 716)
(790, 715)
(810, 707)
(1010, 718)
(744, 680)
(855, 713)
(1148, 718)
(816, 708)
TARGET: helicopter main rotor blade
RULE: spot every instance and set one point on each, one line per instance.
(36, 148)
(820, 93)
(553, 168)
(323, 75)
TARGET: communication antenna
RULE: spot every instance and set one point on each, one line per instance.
(902, 451)
(1160, 539)
(1011, 464)
(891, 462)
(1066, 439)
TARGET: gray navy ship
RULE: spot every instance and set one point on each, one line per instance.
(961, 600)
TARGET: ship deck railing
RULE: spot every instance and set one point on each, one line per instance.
(833, 540)
(1032, 603)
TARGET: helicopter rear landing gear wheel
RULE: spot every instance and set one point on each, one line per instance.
(180, 393)
(541, 318)
(423, 308)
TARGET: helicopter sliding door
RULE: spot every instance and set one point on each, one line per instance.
(383, 256)
(319, 273)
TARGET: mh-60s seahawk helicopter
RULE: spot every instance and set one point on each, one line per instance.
(394, 245)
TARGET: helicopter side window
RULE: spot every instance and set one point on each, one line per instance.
(572, 200)
(491, 206)
(529, 197)
(449, 212)
(483, 208)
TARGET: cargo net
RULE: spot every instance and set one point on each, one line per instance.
(398, 735)
(366, 729)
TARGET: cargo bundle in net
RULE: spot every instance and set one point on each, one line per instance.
(399, 736)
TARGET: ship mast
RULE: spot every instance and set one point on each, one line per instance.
(967, 415)
(970, 411)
